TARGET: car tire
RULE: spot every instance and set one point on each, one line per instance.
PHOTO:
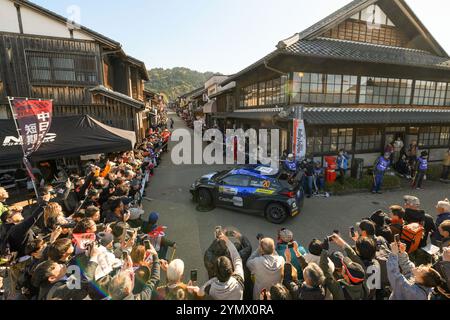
(204, 198)
(276, 213)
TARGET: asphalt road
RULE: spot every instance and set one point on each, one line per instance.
(194, 231)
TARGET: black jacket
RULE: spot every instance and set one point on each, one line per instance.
(21, 233)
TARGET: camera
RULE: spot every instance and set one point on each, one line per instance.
(260, 236)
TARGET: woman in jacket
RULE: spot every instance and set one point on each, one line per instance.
(411, 283)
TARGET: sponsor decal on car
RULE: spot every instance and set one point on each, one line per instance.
(265, 191)
(238, 202)
(228, 190)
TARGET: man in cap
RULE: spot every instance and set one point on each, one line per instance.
(289, 249)
(413, 214)
(380, 168)
(351, 286)
(157, 235)
(421, 170)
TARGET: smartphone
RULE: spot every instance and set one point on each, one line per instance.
(194, 275)
(147, 244)
(218, 232)
(397, 238)
(336, 231)
(125, 255)
(352, 232)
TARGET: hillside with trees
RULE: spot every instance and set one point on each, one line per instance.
(177, 81)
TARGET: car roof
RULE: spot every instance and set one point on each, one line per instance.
(257, 171)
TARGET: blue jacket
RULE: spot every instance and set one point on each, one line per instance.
(441, 218)
(342, 162)
(281, 249)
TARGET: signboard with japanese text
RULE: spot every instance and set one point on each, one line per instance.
(299, 139)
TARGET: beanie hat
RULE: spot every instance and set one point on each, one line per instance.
(336, 258)
(286, 235)
(353, 270)
(379, 217)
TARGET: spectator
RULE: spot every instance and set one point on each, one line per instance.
(4, 195)
(286, 243)
(445, 166)
(351, 284)
(407, 281)
(315, 251)
(421, 170)
(175, 288)
(312, 287)
(382, 229)
(413, 214)
(266, 266)
(229, 281)
(342, 164)
(443, 213)
(442, 292)
(396, 219)
(156, 234)
(444, 232)
(93, 212)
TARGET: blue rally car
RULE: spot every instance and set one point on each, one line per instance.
(252, 189)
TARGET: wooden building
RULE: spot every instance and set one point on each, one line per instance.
(366, 74)
(43, 55)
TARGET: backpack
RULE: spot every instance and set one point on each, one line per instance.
(412, 234)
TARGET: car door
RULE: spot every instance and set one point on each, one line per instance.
(260, 189)
(232, 190)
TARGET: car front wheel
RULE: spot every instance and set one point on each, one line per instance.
(205, 198)
(276, 213)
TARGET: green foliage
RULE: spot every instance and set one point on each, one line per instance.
(177, 81)
(365, 184)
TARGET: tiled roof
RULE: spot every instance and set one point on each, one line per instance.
(117, 96)
(354, 116)
(366, 52)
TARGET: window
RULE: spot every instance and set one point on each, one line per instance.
(441, 89)
(385, 91)
(349, 89)
(237, 180)
(368, 139)
(424, 92)
(64, 68)
(324, 140)
(264, 93)
(374, 15)
(323, 88)
(434, 136)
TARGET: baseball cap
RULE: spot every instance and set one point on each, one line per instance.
(286, 235)
(411, 200)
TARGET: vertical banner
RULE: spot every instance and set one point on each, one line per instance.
(33, 119)
(299, 139)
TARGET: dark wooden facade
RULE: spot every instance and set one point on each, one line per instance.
(342, 28)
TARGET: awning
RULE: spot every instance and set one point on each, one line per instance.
(210, 107)
(354, 116)
(68, 137)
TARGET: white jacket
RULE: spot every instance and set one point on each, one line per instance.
(233, 289)
(266, 271)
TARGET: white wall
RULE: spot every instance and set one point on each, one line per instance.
(369, 158)
(8, 17)
(35, 23)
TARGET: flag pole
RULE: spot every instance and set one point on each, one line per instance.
(25, 160)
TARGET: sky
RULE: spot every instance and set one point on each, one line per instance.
(217, 35)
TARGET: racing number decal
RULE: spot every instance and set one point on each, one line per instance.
(266, 184)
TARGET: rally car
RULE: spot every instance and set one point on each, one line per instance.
(252, 189)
